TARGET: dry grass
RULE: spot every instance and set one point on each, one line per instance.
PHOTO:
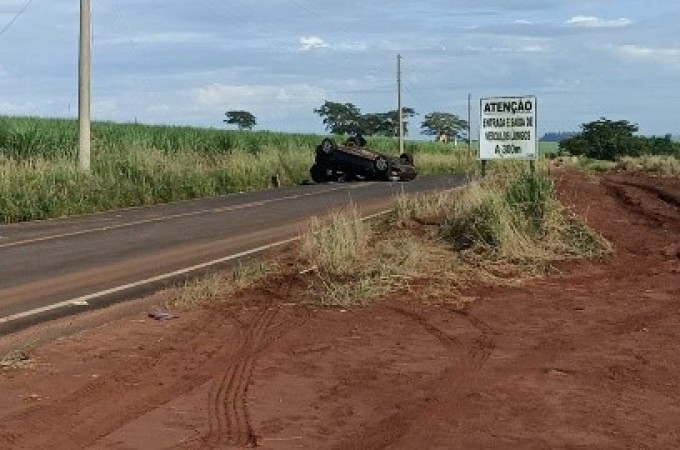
(584, 163)
(338, 245)
(668, 166)
(660, 165)
(219, 287)
(498, 231)
(355, 262)
(517, 220)
(18, 358)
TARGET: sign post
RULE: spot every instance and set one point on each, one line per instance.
(508, 129)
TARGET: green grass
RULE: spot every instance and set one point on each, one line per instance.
(29, 137)
(595, 165)
(40, 188)
(548, 148)
(134, 164)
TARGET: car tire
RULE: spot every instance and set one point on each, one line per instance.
(327, 146)
(382, 166)
(318, 173)
(406, 158)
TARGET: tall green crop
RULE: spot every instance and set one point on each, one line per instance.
(134, 164)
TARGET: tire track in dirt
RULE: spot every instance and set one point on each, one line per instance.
(448, 341)
(228, 415)
(555, 343)
(228, 418)
(470, 358)
(622, 193)
(160, 371)
(229, 422)
(456, 381)
(139, 386)
(660, 193)
(484, 344)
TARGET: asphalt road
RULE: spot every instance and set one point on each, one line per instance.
(57, 267)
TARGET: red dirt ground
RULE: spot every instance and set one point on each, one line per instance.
(584, 359)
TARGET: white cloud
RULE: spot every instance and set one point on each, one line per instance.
(280, 61)
(519, 46)
(595, 22)
(311, 42)
(252, 97)
(668, 56)
(315, 42)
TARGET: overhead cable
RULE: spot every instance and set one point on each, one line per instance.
(16, 17)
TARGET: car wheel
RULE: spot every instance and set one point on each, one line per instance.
(318, 173)
(382, 166)
(327, 146)
(406, 158)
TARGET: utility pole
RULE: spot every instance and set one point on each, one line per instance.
(84, 86)
(470, 123)
(399, 106)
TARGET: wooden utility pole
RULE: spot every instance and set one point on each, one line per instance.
(469, 130)
(84, 86)
(400, 107)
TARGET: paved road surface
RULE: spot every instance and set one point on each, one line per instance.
(54, 267)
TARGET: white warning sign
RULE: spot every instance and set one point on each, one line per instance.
(508, 128)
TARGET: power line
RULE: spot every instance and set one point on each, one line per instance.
(424, 99)
(321, 19)
(323, 22)
(16, 17)
(120, 24)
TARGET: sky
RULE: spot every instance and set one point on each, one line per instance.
(188, 62)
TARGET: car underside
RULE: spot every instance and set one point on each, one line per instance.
(352, 161)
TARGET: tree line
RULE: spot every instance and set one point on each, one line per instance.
(609, 139)
(347, 118)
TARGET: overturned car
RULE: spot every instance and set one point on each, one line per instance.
(352, 161)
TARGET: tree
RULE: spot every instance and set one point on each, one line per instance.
(385, 124)
(437, 122)
(242, 119)
(346, 118)
(605, 139)
(339, 118)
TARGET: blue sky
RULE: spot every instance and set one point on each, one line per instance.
(187, 62)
